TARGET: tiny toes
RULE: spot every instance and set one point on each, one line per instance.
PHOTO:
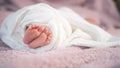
(48, 38)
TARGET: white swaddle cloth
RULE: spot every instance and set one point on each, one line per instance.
(67, 27)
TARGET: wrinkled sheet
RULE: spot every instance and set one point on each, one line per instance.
(103, 11)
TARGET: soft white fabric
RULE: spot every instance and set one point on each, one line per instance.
(68, 29)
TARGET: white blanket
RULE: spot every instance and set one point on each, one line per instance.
(68, 29)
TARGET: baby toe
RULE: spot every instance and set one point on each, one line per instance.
(46, 28)
(42, 28)
(49, 36)
(48, 39)
(28, 28)
(47, 31)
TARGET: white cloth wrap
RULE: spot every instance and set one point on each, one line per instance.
(67, 27)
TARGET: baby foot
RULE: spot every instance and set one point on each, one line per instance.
(31, 33)
(37, 36)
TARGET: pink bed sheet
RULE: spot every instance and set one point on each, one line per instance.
(71, 57)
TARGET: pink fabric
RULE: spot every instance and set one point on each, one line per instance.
(103, 11)
(72, 57)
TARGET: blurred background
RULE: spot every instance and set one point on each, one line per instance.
(106, 13)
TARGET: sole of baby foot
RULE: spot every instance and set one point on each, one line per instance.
(32, 32)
